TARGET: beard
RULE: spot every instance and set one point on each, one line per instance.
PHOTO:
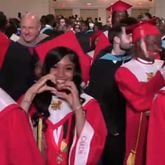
(126, 47)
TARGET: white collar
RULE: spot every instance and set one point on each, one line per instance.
(144, 61)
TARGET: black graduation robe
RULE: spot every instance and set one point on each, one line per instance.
(16, 74)
(103, 87)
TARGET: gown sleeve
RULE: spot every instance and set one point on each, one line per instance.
(138, 94)
(156, 132)
(88, 147)
(17, 144)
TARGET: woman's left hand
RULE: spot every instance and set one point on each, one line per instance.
(70, 93)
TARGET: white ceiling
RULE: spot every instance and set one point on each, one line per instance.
(99, 3)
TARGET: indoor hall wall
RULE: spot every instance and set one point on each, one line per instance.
(159, 8)
(11, 8)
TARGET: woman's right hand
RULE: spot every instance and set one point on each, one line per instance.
(39, 87)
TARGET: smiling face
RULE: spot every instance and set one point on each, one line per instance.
(64, 64)
(63, 71)
(153, 45)
(150, 47)
(30, 28)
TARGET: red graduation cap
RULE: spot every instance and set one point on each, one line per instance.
(95, 35)
(119, 6)
(143, 29)
(102, 43)
(129, 29)
(4, 44)
(70, 41)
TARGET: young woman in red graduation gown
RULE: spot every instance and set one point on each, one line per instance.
(73, 126)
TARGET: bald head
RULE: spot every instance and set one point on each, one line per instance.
(30, 27)
(31, 16)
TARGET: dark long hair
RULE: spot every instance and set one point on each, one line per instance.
(43, 100)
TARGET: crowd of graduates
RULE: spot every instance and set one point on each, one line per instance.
(79, 92)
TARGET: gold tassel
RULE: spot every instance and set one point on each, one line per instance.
(39, 134)
(132, 155)
(131, 158)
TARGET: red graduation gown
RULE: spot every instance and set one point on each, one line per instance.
(156, 131)
(138, 82)
(17, 144)
(102, 43)
(83, 150)
(4, 43)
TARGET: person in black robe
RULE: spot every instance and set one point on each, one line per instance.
(103, 87)
(16, 74)
(17, 70)
(84, 35)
